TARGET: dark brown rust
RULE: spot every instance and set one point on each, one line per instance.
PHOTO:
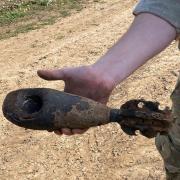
(53, 110)
(48, 109)
(144, 116)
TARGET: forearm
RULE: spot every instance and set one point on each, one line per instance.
(147, 36)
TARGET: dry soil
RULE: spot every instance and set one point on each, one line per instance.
(101, 153)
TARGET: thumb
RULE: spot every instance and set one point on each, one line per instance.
(56, 74)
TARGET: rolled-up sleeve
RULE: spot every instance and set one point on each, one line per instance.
(168, 10)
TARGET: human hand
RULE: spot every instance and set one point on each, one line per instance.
(83, 81)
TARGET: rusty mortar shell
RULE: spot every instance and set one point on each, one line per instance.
(48, 109)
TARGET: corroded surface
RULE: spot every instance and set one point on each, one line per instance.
(48, 109)
(101, 153)
(84, 114)
(144, 116)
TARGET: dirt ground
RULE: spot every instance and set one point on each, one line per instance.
(101, 153)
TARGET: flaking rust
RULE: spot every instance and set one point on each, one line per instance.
(145, 116)
(48, 109)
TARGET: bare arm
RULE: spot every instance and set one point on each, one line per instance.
(147, 36)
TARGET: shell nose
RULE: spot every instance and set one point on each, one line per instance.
(29, 108)
(22, 105)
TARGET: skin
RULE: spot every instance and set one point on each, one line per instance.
(147, 36)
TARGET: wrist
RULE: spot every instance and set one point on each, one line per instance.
(102, 78)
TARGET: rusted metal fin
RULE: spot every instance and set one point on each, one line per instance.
(145, 116)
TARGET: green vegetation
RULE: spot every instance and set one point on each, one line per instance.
(37, 12)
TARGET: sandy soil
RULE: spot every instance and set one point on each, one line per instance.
(101, 153)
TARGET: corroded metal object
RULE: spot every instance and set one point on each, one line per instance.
(48, 109)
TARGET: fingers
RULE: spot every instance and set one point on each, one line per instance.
(64, 131)
(79, 131)
(70, 132)
(58, 132)
(57, 74)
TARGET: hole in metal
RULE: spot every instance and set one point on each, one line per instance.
(32, 104)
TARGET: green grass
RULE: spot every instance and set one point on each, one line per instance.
(45, 11)
(19, 29)
(10, 16)
(24, 9)
(26, 28)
